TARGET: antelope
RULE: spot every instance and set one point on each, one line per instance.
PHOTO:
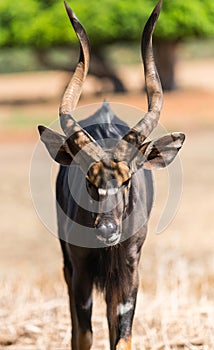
(104, 195)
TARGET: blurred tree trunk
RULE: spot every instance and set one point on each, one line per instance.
(165, 57)
(100, 67)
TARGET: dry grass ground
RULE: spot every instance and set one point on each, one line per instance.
(175, 308)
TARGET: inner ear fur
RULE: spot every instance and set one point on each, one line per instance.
(56, 145)
(160, 152)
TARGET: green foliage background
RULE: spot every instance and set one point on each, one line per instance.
(42, 23)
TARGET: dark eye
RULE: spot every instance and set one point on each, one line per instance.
(90, 185)
(92, 190)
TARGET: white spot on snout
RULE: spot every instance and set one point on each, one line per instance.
(109, 191)
(102, 191)
(124, 308)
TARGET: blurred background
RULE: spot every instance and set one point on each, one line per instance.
(38, 51)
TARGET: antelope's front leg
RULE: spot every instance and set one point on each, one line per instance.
(82, 293)
(120, 313)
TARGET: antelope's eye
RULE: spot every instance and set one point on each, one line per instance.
(92, 190)
(90, 185)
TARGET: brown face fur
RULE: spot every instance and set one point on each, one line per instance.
(100, 173)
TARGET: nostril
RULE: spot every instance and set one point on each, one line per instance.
(108, 232)
(102, 229)
(111, 226)
(107, 228)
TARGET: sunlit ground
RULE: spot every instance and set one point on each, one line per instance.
(175, 308)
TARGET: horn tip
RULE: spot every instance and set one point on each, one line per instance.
(157, 10)
(66, 5)
(70, 12)
(158, 6)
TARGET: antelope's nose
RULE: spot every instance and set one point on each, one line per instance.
(108, 232)
(106, 229)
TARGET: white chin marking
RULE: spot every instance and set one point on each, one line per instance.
(114, 237)
(113, 240)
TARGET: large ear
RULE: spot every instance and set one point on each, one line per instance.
(56, 145)
(161, 152)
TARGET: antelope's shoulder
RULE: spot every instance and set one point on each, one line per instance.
(104, 124)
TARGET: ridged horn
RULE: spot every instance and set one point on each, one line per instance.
(137, 134)
(74, 89)
(78, 138)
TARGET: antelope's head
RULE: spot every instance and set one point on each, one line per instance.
(109, 177)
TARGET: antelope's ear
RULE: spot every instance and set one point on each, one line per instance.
(56, 145)
(161, 152)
